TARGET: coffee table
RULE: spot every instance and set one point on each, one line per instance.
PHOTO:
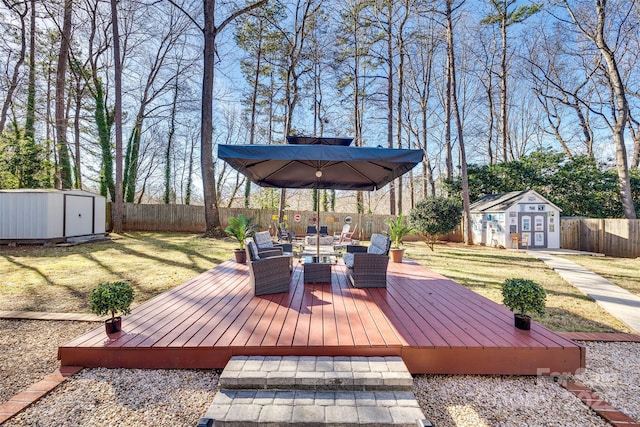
(318, 269)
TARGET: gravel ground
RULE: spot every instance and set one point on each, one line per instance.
(476, 401)
(613, 371)
(124, 397)
(29, 351)
(132, 397)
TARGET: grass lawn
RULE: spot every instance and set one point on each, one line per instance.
(624, 272)
(55, 279)
(59, 279)
(483, 269)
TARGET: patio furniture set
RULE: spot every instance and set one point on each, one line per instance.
(271, 264)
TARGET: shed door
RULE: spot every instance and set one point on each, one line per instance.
(533, 228)
(78, 218)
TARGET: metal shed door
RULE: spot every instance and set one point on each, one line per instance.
(78, 215)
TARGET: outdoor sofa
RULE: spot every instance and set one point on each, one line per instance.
(367, 266)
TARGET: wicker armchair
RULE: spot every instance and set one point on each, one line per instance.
(269, 272)
(368, 269)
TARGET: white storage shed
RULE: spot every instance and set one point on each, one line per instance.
(39, 216)
(519, 218)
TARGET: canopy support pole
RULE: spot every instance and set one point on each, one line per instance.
(318, 222)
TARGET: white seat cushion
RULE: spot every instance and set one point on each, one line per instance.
(347, 257)
(379, 244)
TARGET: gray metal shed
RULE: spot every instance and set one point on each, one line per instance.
(39, 216)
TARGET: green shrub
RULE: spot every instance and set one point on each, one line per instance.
(524, 296)
(110, 298)
(433, 217)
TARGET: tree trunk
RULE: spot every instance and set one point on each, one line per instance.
(621, 113)
(456, 112)
(29, 126)
(132, 158)
(211, 213)
(389, 59)
(491, 118)
(76, 132)
(213, 228)
(104, 121)
(172, 131)
(357, 108)
(61, 122)
(254, 112)
(401, 66)
(187, 197)
(117, 214)
(503, 87)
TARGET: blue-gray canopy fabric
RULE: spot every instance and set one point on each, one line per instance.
(296, 165)
(321, 163)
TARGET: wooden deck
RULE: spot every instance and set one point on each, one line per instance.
(433, 323)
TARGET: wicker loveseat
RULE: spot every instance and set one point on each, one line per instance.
(269, 271)
(368, 269)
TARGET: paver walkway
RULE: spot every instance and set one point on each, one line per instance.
(309, 390)
(617, 301)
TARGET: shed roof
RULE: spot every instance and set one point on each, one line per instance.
(502, 202)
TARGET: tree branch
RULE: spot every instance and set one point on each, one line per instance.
(239, 12)
(181, 9)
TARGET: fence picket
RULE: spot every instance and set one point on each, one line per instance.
(190, 218)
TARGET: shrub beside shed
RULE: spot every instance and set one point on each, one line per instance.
(524, 217)
(41, 216)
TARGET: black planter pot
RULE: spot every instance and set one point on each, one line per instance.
(241, 256)
(113, 326)
(522, 321)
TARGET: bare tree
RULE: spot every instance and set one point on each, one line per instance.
(504, 16)
(29, 127)
(407, 9)
(210, 32)
(295, 50)
(350, 62)
(559, 89)
(452, 82)
(593, 29)
(420, 84)
(13, 77)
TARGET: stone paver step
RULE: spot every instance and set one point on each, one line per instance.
(231, 408)
(312, 373)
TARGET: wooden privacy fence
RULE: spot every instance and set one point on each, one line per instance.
(613, 237)
(143, 217)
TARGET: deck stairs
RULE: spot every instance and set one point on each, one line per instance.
(312, 391)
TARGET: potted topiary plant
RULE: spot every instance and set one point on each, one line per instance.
(111, 298)
(523, 296)
(397, 231)
(241, 228)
